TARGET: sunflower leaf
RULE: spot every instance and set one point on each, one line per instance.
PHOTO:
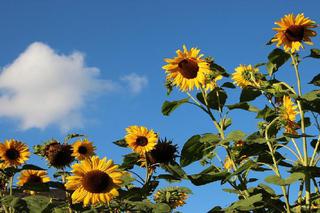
(244, 106)
(168, 107)
(314, 53)
(277, 58)
(316, 80)
(249, 94)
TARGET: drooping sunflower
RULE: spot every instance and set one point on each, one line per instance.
(292, 31)
(82, 149)
(163, 152)
(140, 139)
(32, 177)
(94, 181)
(58, 155)
(173, 196)
(187, 70)
(287, 114)
(13, 153)
(246, 75)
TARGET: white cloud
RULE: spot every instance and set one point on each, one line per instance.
(135, 82)
(42, 87)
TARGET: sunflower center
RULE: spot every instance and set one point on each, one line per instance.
(246, 75)
(188, 68)
(12, 154)
(96, 181)
(83, 150)
(142, 141)
(295, 33)
(34, 179)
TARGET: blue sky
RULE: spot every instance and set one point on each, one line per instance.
(123, 38)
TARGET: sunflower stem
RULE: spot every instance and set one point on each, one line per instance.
(305, 148)
(63, 177)
(275, 164)
(10, 185)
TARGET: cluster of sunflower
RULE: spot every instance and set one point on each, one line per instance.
(278, 130)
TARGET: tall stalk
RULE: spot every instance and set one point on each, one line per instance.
(303, 130)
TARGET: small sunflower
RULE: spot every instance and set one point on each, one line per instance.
(82, 149)
(32, 177)
(140, 139)
(59, 155)
(246, 75)
(94, 181)
(187, 70)
(211, 84)
(287, 114)
(13, 153)
(173, 196)
(292, 31)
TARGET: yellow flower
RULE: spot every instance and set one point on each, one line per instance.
(140, 139)
(13, 153)
(82, 149)
(32, 177)
(228, 163)
(287, 113)
(187, 70)
(292, 31)
(245, 75)
(94, 181)
(212, 84)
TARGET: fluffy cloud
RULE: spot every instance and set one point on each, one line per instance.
(135, 82)
(42, 87)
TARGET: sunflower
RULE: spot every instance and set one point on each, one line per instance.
(58, 155)
(228, 164)
(246, 75)
(140, 139)
(292, 31)
(13, 153)
(33, 177)
(163, 152)
(94, 181)
(82, 149)
(187, 70)
(173, 196)
(287, 114)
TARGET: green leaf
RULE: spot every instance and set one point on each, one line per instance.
(72, 135)
(130, 160)
(168, 107)
(267, 114)
(216, 98)
(31, 166)
(228, 85)
(121, 143)
(210, 174)
(244, 167)
(314, 53)
(311, 101)
(235, 136)
(197, 147)
(294, 177)
(14, 202)
(314, 143)
(316, 80)
(37, 203)
(175, 170)
(276, 59)
(161, 208)
(249, 94)
(248, 203)
(244, 106)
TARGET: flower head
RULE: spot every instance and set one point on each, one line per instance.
(187, 70)
(82, 149)
(246, 75)
(94, 181)
(13, 153)
(287, 114)
(292, 31)
(173, 196)
(140, 139)
(33, 177)
(59, 155)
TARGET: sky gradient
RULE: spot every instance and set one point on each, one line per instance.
(131, 38)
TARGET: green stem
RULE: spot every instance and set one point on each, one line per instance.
(315, 151)
(275, 164)
(10, 185)
(305, 147)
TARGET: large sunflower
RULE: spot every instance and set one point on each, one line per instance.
(13, 153)
(82, 149)
(292, 31)
(245, 75)
(94, 181)
(187, 70)
(33, 177)
(287, 114)
(140, 139)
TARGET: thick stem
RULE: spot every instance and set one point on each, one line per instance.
(275, 164)
(303, 130)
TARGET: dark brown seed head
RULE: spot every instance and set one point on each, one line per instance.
(59, 155)
(97, 181)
